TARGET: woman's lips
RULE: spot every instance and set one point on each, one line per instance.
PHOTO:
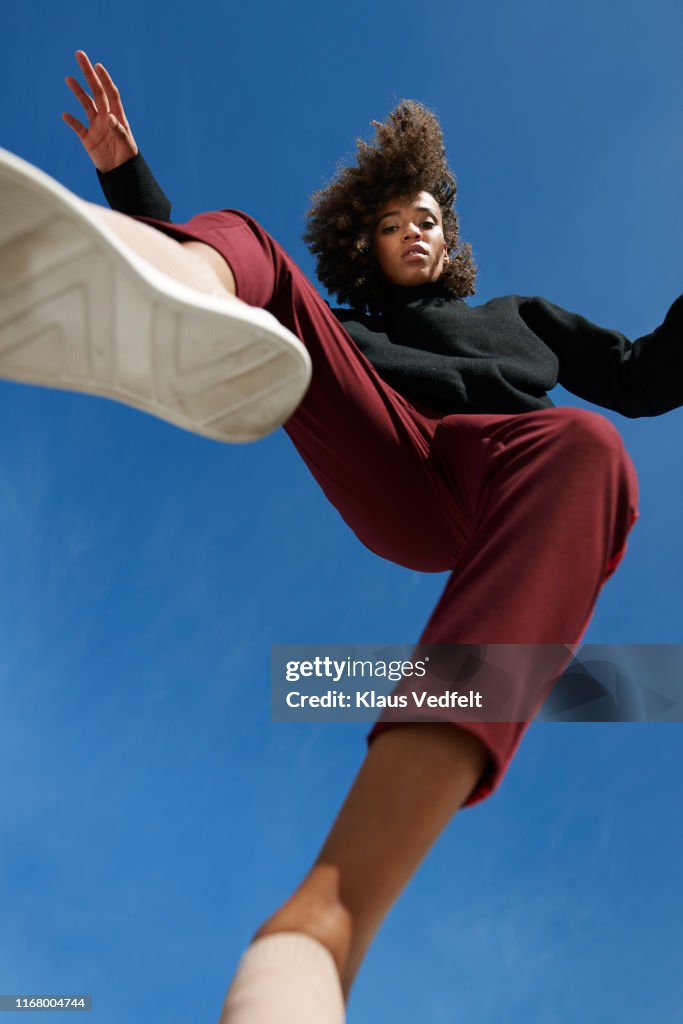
(414, 257)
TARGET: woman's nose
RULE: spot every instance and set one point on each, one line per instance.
(412, 229)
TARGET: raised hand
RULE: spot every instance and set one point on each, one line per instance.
(107, 139)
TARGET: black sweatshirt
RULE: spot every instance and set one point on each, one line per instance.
(500, 357)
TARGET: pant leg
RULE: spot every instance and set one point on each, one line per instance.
(552, 495)
(368, 448)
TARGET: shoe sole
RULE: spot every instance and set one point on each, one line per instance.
(81, 311)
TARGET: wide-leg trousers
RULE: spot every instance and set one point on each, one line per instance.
(530, 512)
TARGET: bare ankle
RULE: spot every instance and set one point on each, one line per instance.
(218, 267)
(192, 263)
(328, 924)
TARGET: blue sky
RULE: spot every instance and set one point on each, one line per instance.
(153, 814)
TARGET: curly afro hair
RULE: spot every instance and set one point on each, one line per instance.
(407, 156)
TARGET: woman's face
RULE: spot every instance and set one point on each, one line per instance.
(408, 240)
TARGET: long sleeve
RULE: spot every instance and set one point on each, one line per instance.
(133, 189)
(635, 378)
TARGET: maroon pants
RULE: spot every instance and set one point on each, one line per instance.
(530, 512)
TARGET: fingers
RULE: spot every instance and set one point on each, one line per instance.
(81, 95)
(113, 94)
(74, 123)
(108, 135)
(93, 81)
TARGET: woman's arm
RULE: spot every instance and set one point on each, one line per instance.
(127, 182)
(133, 189)
(635, 378)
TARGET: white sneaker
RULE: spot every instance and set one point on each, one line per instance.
(80, 310)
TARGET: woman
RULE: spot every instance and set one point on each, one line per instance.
(428, 426)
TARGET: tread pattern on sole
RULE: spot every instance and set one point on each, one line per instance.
(75, 316)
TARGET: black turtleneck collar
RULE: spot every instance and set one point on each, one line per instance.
(398, 296)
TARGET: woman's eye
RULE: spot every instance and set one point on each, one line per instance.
(394, 227)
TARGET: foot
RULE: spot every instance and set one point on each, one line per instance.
(81, 310)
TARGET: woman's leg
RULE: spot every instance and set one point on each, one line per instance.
(410, 785)
(552, 497)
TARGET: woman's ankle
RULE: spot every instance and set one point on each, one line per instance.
(192, 263)
(328, 923)
(213, 260)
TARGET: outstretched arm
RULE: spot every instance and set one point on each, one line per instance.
(126, 180)
(635, 378)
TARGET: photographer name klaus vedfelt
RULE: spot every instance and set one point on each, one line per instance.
(372, 699)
